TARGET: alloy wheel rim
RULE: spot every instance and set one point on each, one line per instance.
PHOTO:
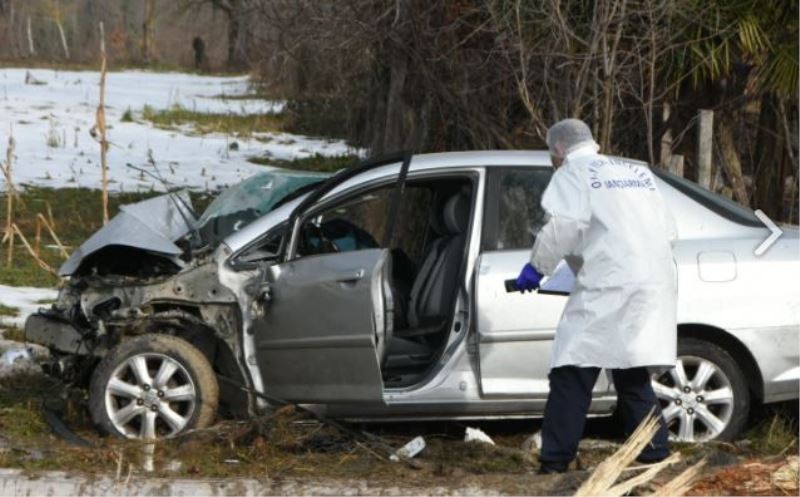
(150, 396)
(696, 399)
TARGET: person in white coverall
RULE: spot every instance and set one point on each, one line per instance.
(609, 222)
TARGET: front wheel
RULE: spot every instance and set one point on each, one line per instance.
(153, 386)
(705, 396)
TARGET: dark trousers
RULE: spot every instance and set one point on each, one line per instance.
(568, 404)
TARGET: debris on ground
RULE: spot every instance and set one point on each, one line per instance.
(533, 444)
(409, 450)
(55, 421)
(17, 359)
(591, 444)
(477, 435)
(752, 478)
(787, 476)
(148, 457)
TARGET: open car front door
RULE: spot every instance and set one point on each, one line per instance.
(323, 331)
(327, 320)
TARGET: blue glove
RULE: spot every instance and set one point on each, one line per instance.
(529, 279)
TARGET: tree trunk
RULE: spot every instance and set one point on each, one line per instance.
(63, 38)
(731, 163)
(12, 39)
(705, 127)
(147, 31)
(769, 148)
(237, 43)
(31, 48)
(665, 145)
(393, 136)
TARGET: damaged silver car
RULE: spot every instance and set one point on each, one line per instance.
(379, 294)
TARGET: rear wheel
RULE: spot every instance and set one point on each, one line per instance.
(705, 396)
(153, 386)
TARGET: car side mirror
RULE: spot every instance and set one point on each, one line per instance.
(260, 290)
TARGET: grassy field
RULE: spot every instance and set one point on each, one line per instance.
(238, 126)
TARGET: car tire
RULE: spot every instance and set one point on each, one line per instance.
(153, 386)
(705, 397)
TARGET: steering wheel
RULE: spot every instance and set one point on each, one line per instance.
(325, 246)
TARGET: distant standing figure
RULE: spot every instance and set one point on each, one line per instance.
(200, 60)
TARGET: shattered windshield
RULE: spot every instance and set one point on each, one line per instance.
(243, 203)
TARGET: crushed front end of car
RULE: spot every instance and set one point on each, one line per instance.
(154, 270)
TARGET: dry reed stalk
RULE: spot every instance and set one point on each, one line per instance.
(609, 470)
(8, 234)
(681, 483)
(37, 242)
(100, 123)
(51, 229)
(601, 482)
(50, 215)
(36, 258)
(645, 476)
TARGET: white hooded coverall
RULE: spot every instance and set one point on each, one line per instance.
(610, 223)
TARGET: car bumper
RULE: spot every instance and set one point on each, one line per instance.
(776, 351)
(52, 333)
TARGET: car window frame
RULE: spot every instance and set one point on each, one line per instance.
(338, 200)
(491, 205)
(288, 250)
(377, 183)
(236, 264)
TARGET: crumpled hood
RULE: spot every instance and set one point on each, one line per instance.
(152, 225)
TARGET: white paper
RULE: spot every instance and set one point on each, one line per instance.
(561, 281)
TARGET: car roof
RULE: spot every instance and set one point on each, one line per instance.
(481, 158)
(490, 158)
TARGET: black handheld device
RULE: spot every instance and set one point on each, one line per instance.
(511, 286)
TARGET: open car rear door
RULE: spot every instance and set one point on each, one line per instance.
(324, 329)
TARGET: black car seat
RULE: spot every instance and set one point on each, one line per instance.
(434, 289)
(435, 286)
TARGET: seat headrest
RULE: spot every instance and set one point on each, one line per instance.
(456, 214)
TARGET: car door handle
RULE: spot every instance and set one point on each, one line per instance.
(351, 277)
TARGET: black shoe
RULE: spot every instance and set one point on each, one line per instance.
(550, 469)
(651, 459)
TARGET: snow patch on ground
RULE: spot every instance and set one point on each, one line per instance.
(51, 123)
(26, 300)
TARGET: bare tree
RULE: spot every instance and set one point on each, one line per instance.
(55, 14)
(451, 74)
(148, 28)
